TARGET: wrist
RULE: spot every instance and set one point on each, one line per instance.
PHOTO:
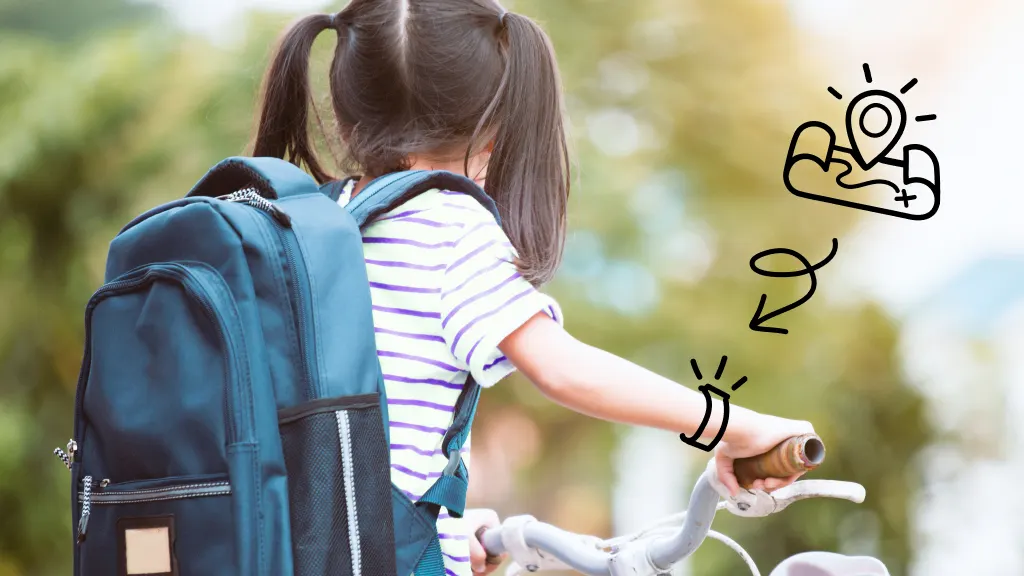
(743, 426)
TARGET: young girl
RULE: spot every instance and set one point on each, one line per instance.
(464, 86)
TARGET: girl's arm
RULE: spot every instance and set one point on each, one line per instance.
(600, 384)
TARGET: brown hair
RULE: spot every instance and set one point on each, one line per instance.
(429, 78)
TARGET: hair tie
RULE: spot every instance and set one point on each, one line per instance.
(501, 17)
(332, 23)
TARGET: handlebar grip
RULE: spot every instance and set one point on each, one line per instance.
(792, 456)
(492, 559)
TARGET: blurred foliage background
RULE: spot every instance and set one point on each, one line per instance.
(681, 114)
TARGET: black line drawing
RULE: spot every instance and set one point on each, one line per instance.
(707, 390)
(756, 323)
(875, 121)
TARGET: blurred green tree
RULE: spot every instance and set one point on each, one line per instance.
(87, 135)
(71, 22)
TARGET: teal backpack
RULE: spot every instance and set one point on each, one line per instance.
(231, 416)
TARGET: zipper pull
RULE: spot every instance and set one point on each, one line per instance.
(83, 522)
(67, 457)
(63, 457)
(281, 216)
(253, 198)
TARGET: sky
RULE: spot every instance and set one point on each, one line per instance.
(961, 55)
(214, 17)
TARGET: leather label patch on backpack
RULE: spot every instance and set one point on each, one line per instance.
(145, 546)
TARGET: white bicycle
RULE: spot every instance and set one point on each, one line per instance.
(535, 546)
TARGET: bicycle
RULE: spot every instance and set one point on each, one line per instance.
(535, 546)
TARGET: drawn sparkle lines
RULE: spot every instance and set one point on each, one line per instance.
(718, 373)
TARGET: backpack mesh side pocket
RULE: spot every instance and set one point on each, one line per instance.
(373, 490)
(338, 487)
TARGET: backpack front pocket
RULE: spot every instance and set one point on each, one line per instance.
(164, 391)
(163, 527)
(165, 381)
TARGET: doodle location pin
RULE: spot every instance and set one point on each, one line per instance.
(874, 121)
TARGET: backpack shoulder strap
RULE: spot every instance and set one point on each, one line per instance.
(383, 195)
(392, 190)
(450, 489)
(334, 188)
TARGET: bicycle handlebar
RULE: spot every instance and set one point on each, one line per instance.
(563, 545)
(662, 553)
(792, 456)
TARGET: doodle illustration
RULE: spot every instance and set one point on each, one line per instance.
(708, 389)
(866, 177)
(758, 320)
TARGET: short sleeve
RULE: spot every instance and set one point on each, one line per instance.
(484, 299)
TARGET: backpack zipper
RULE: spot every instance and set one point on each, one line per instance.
(87, 497)
(252, 197)
(306, 339)
(289, 245)
(348, 484)
(195, 490)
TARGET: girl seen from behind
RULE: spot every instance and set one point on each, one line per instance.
(464, 86)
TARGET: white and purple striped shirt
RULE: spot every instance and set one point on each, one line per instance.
(445, 293)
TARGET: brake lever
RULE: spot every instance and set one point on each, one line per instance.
(804, 489)
(756, 503)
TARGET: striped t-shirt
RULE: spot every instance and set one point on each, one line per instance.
(445, 293)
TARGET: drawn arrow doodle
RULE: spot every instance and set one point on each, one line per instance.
(756, 323)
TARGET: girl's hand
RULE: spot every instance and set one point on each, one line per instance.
(478, 518)
(761, 435)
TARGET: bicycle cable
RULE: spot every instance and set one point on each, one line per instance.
(737, 549)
